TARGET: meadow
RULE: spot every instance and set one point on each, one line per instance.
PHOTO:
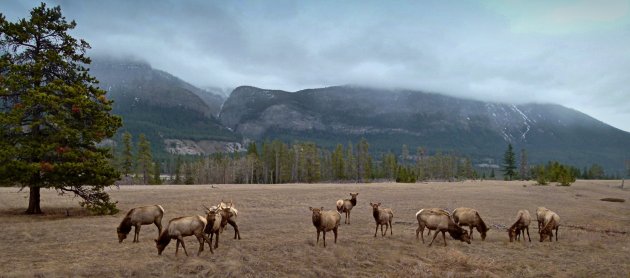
(278, 237)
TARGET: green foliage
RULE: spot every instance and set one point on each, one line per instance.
(51, 112)
(405, 175)
(509, 164)
(595, 172)
(554, 171)
(188, 174)
(144, 158)
(127, 155)
(156, 173)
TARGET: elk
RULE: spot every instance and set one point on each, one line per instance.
(345, 206)
(181, 227)
(551, 222)
(471, 218)
(436, 219)
(523, 219)
(382, 216)
(540, 216)
(325, 221)
(230, 213)
(215, 223)
(137, 217)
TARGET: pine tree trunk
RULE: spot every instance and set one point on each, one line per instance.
(33, 201)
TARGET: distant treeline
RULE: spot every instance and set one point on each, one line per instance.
(272, 162)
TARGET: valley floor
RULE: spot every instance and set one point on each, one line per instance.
(278, 238)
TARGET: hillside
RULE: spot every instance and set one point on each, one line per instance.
(390, 118)
(160, 105)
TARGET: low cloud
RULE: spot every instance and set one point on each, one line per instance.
(494, 51)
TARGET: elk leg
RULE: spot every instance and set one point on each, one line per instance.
(376, 230)
(348, 215)
(434, 236)
(181, 239)
(557, 233)
(176, 247)
(159, 226)
(237, 233)
(136, 232)
(383, 233)
(443, 237)
(317, 238)
(429, 232)
(324, 237)
(216, 242)
(205, 237)
(530, 238)
(418, 231)
(471, 231)
(335, 231)
(201, 240)
(391, 229)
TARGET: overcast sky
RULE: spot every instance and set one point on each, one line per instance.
(574, 53)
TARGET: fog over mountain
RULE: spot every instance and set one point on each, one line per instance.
(572, 53)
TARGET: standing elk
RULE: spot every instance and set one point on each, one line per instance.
(523, 218)
(345, 206)
(181, 227)
(471, 218)
(215, 224)
(325, 221)
(436, 219)
(551, 222)
(382, 216)
(137, 217)
(230, 213)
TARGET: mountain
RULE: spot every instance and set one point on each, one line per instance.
(390, 118)
(172, 113)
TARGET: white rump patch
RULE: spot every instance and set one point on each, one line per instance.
(418, 213)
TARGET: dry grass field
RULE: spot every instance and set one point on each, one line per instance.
(278, 238)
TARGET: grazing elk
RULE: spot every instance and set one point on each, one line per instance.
(551, 222)
(471, 218)
(181, 227)
(137, 217)
(230, 213)
(382, 216)
(442, 211)
(540, 216)
(436, 219)
(523, 218)
(345, 206)
(325, 221)
(215, 224)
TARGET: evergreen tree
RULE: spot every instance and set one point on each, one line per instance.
(404, 154)
(509, 164)
(144, 158)
(52, 113)
(339, 171)
(156, 173)
(364, 162)
(351, 165)
(127, 155)
(492, 175)
(596, 171)
(188, 174)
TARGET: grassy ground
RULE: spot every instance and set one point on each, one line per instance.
(279, 238)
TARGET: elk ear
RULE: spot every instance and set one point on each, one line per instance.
(310, 208)
(370, 203)
(379, 204)
(155, 240)
(322, 208)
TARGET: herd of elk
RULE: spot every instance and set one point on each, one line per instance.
(436, 219)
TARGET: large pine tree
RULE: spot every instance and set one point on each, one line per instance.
(509, 164)
(52, 115)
